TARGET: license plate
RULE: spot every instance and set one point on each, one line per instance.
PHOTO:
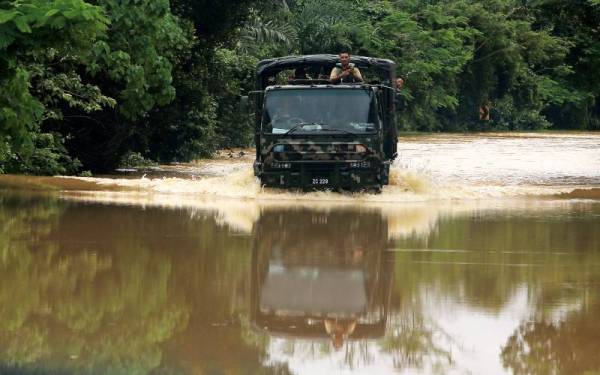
(320, 181)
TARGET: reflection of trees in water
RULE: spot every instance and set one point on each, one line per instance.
(16, 302)
(108, 289)
(568, 346)
(410, 344)
(415, 342)
(64, 302)
(484, 259)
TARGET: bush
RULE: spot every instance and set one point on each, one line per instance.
(505, 116)
(47, 156)
(135, 159)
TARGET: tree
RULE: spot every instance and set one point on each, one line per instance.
(576, 103)
(133, 65)
(31, 32)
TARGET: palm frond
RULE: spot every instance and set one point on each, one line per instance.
(259, 32)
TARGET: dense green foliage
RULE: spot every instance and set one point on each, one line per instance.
(84, 82)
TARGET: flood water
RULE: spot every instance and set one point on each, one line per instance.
(483, 257)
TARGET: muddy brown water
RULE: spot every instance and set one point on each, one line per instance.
(482, 257)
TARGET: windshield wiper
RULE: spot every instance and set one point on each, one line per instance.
(322, 127)
(338, 130)
(300, 126)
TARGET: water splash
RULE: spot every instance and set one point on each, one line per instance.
(435, 168)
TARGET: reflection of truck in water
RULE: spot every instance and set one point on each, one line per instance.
(320, 275)
(313, 134)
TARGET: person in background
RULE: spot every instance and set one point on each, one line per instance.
(344, 71)
(484, 111)
(399, 83)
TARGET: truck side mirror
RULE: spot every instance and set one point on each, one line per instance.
(255, 98)
(254, 104)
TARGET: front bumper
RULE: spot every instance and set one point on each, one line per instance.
(324, 175)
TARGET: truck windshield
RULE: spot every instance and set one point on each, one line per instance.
(319, 110)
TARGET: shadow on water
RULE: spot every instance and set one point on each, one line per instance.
(88, 288)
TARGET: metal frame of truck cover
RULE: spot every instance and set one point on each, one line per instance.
(326, 160)
(267, 68)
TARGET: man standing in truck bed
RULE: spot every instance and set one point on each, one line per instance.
(345, 72)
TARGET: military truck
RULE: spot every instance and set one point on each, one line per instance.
(313, 134)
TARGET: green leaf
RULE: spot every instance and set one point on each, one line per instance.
(51, 12)
(22, 25)
(6, 40)
(6, 16)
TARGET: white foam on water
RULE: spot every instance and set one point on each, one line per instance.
(406, 185)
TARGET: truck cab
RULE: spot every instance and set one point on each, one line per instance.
(313, 134)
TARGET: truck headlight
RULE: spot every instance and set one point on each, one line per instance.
(360, 164)
(277, 165)
(360, 149)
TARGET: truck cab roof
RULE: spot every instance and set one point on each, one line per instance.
(383, 69)
(360, 86)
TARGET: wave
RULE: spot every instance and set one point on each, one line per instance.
(238, 182)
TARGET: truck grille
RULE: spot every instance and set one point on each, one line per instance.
(316, 152)
(319, 167)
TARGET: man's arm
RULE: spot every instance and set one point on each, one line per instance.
(356, 74)
(334, 77)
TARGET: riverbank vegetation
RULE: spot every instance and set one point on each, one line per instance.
(84, 83)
